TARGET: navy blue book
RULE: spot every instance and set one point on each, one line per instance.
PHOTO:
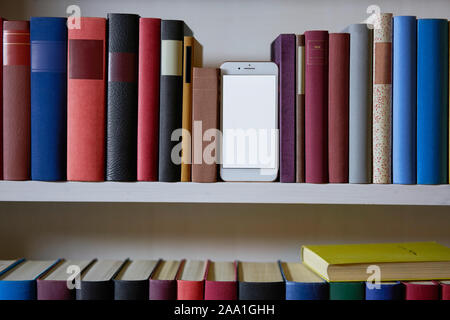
(302, 283)
(385, 291)
(432, 101)
(18, 282)
(48, 38)
(404, 100)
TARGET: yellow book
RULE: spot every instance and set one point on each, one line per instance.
(394, 261)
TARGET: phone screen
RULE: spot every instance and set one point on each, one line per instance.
(249, 121)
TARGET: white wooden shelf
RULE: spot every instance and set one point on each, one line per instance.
(287, 193)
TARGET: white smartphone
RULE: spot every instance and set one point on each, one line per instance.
(249, 121)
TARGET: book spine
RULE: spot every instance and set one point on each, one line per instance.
(86, 101)
(131, 290)
(148, 98)
(432, 101)
(262, 291)
(445, 291)
(163, 289)
(404, 100)
(221, 290)
(48, 37)
(122, 103)
(171, 100)
(338, 97)
(316, 107)
(18, 290)
(395, 291)
(283, 53)
(1, 98)
(16, 100)
(307, 291)
(300, 112)
(205, 116)
(382, 99)
(360, 104)
(95, 290)
(186, 155)
(417, 291)
(190, 290)
(347, 290)
(53, 290)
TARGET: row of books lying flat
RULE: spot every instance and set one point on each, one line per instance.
(392, 271)
(193, 280)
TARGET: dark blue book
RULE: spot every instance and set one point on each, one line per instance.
(48, 98)
(404, 98)
(302, 283)
(18, 282)
(385, 291)
(432, 101)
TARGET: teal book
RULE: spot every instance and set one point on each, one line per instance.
(347, 290)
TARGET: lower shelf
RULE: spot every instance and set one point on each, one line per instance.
(224, 192)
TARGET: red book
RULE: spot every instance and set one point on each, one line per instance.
(338, 99)
(422, 290)
(316, 101)
(191, 280)
(221, 281)
(445, 290)
(86, 101)
(16, 100)
(148, 100)
(1, 99)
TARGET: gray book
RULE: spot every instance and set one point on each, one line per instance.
(360, 104)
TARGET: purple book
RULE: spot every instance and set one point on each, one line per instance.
(163, 281)
(283, 53)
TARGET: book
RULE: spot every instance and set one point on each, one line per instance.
(86, 101)
(300, 111)
(302, 283)
(404, 99)
(53, 285)
(382, 99)
(171, 100)
(48, 37)
(163, 281)
(132, 282)
(422, 290)
(191, 280)
(385, 291)
(1, 99)
(148, 98)
(19, 282)
(260, 281)
(97, 282)
(122, 102)
(445, 290)
(283, 53)
(360, 104)
(347, 290)
(397, 261)
(221, 281)
(338, 98)
(432, 101)
(205, 118)
(316, 106)
(16, 100)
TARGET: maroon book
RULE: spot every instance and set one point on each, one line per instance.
(316, 101)
(338, 98)
(422, 290)
(221, 281)
(163, 281)
(16, 100)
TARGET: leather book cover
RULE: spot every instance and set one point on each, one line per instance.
(386, 291)
(170, 100)
(122, 101)
(338, 91)
(148, 98)
(283, 53)
(1, 98)
(382, 99)
(205, 116)
(221, 281)
(445, 290)
(316, 106)
(86, 101)
(422, 290)
(347, 290)
(260, 281)
(16, 100)
(48, 37)
(163, 281)
(191, 280)
(300, 111)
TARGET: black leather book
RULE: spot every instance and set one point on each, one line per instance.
(260, 281)
(171, 99)
(132, 282)
(122, 105)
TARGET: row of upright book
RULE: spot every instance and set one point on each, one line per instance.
(367, 105)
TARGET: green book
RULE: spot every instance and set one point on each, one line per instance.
(347, 291)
